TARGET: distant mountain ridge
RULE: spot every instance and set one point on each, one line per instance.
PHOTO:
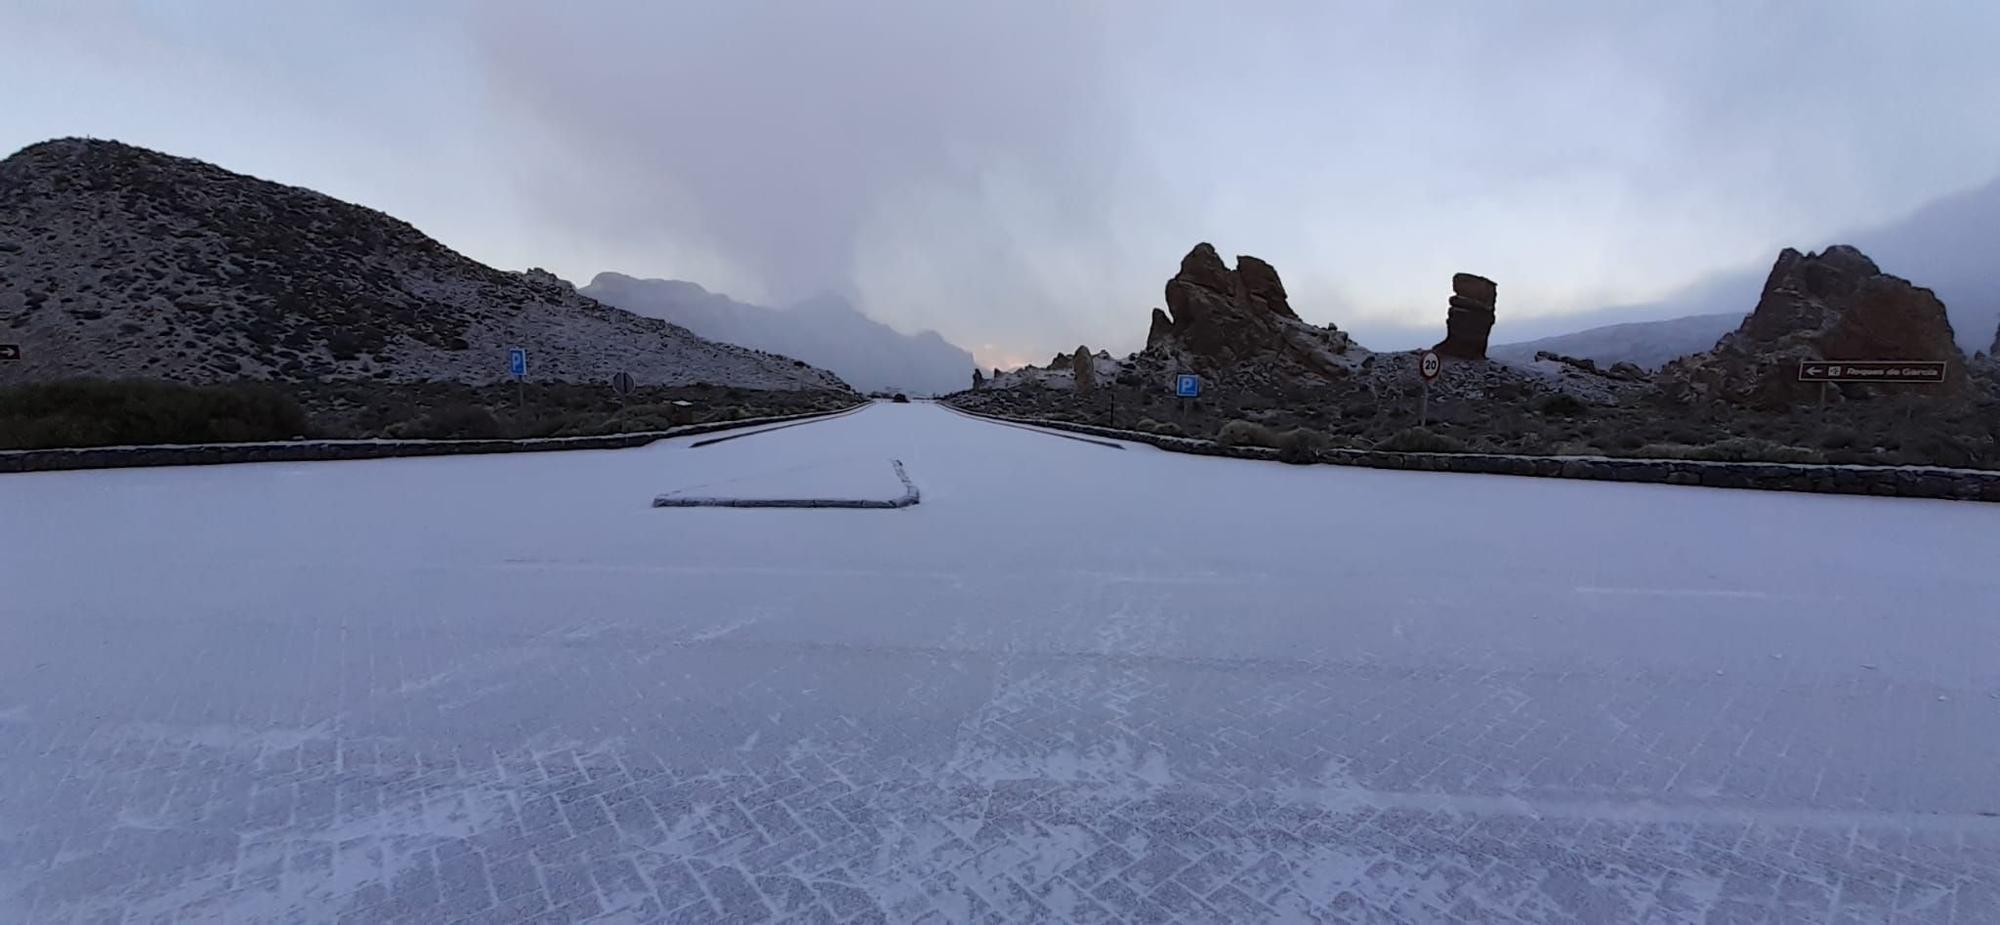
(824, 330)
(1649, 344)
(119, 261)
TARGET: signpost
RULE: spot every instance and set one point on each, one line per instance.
(621, 382)
(1187, 387)
(10, 351)
(1428, 366)
(1901, 372)
(517, 366)
(1922, 372)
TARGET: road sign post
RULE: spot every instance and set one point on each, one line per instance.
(1187, 388)
(1428, 366)
(621, 382)
(517, 366)
(1900, 372)
(10, 351)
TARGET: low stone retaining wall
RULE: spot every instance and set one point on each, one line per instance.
(1890, 481)
(208, 454)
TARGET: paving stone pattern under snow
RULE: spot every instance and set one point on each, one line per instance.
(1072, 685)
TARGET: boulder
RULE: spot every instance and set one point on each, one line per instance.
(1836, 305)
(1085, 368)
(1161, 330)
(1469, 319)
(1262, 287)
(1478, 289)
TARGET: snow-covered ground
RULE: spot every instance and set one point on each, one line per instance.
(1075, 682)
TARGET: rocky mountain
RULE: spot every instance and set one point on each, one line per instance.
(825, 330)
(1647, 344)
(117, 261)
(1836, 304)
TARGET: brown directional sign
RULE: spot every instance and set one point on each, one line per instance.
(1901, 371)
(10, 351)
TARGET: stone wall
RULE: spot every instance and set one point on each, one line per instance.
(1890, 481)
(120, 457)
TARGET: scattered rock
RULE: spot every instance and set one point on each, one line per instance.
(1084, 368)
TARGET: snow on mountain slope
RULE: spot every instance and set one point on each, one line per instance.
(1646, 343)
(824, 330)
(119, 261)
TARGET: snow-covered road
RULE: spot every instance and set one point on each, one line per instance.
(1074, 683)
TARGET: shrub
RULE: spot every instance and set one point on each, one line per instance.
(1666, 451)
(1421, 440)
(93, 412)
(454, 422)
(1246, 433)
(1560, 404)
(1755, 449)
(1838, 438)
(1300, 445)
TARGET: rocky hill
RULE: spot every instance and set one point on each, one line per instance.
(117, 261)
(1836, 304)
(825, 331)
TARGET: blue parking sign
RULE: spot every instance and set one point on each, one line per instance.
(517, 362)
(1187, 385)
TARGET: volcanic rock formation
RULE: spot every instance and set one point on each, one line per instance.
(1470, 320)
(1836, 305)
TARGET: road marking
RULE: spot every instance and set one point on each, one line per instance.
(1686, 592)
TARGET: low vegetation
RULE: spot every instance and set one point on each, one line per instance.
(97, 412)
(79, 413)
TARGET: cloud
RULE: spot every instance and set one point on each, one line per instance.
(1027, 174)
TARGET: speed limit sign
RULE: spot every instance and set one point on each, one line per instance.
(1430, 365)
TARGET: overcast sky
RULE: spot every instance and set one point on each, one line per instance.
(1024, 176)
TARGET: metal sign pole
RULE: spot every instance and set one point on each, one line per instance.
(1424, 405)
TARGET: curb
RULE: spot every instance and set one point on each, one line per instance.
(800, 423)
(1031, 428)
(1934, 482)
(214, 454)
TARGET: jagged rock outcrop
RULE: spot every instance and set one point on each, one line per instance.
(117, 261)
(1836, 305)
(1218, 318)
(978, 379)
(1469, 322)
(1084, 368)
